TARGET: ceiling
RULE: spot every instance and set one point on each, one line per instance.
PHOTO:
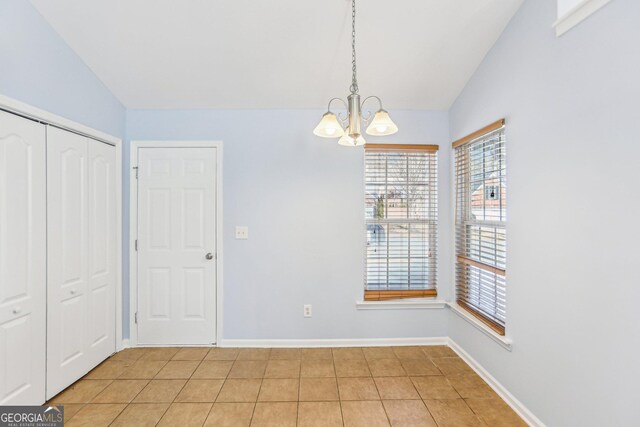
(414, 54)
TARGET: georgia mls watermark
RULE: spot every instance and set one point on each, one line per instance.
(31, 416)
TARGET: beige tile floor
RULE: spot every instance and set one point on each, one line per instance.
(375, 386)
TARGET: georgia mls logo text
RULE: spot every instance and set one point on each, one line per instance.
(31, 416)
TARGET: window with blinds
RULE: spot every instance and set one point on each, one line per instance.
(401, 207)
(481, 214)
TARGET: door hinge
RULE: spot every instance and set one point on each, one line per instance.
(136, 245)
(135, 317)
(136, 169)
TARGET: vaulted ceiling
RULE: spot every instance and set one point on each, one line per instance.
(415, 54)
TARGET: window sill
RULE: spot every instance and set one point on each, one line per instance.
(407, 304)
(576, 15)
(502, 341)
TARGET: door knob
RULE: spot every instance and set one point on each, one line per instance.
(209, 256)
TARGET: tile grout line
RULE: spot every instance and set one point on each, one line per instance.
(168, 406)
(384, 408)
(255, 404)
(414, 386)
(84, 377)
(148, 382)
(375, 384)
(333, 361)
(182, 388)
(471, 409)
(126, 404)
(105, 389)
(446, 379)
(187, 381)
(223, 381)
(299, 389)
(425, 403)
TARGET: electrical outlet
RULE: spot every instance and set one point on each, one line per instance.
(242, 232)
(307, 310)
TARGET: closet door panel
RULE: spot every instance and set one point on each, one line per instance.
(67, 244)
(102, 250)
(22, 261)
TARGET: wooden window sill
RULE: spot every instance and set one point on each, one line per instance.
(464, 314)
(385, 295)
(405, 304)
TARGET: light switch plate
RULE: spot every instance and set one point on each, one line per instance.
(242, 232)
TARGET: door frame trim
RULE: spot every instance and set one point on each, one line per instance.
(14, 106)
(133, 227)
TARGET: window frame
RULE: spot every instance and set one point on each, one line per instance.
(432, 185)
(466, 266)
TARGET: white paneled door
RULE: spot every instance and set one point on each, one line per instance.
(22, 261)
(176, 246)
(102, 232)
(67, 229)
(81, 232)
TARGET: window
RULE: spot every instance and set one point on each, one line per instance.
(492, 192)
(481, 249)
(573, 12)
(401, 207)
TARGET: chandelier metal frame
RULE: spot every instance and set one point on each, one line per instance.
(348, 128)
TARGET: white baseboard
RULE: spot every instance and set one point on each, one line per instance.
(358, 342)
(515, 404)
(125, 344)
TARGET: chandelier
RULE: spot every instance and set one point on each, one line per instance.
(348, 128)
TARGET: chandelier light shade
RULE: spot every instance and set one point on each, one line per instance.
(329, 126)
(349, 141)
(382, 125)
(348, 129)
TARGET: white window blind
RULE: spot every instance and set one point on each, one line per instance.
(401, 207)
(481, 214)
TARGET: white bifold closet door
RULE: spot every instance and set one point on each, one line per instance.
(22, 261)
(81, 230)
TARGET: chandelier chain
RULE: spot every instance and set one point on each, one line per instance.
(354, 80)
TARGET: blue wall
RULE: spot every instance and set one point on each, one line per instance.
(571, 105)
(303, 200)
(301, 196)
(37, 67)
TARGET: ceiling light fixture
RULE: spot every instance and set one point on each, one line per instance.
(348, 129)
